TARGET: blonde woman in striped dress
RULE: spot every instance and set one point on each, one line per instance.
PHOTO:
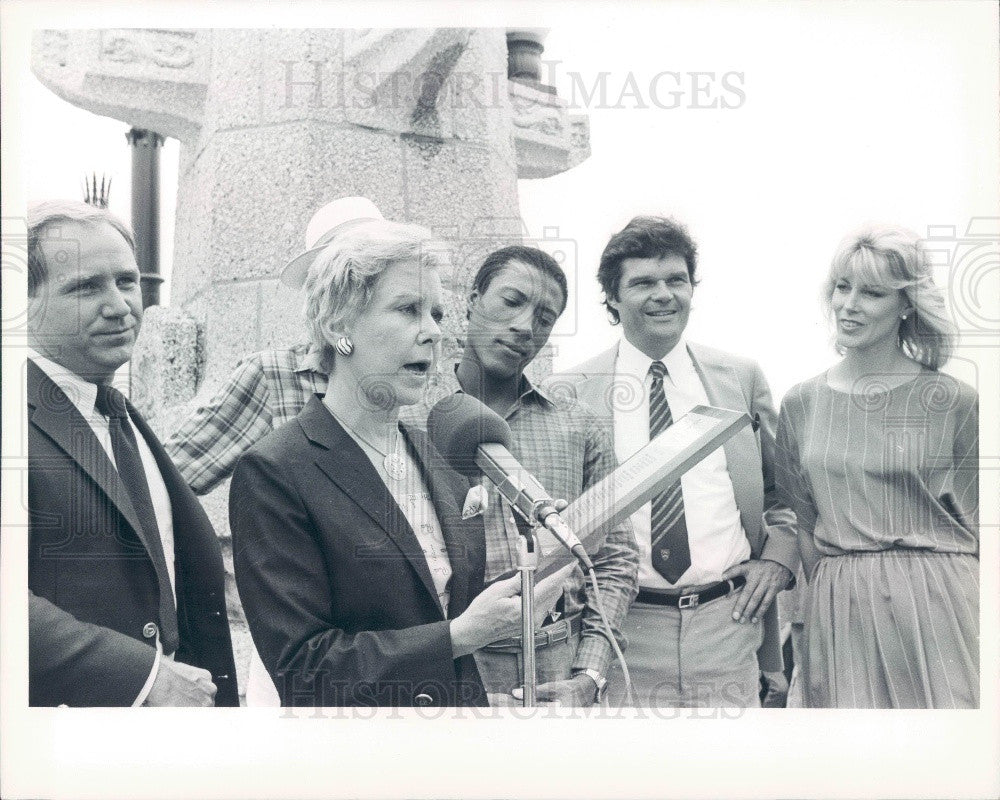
(878, 456)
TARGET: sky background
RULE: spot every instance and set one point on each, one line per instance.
(844, 114)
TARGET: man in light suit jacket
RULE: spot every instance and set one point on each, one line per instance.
(127, 604)
(716, 547)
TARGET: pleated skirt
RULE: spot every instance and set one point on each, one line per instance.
(893, 629)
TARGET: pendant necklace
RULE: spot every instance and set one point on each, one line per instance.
(393, 463)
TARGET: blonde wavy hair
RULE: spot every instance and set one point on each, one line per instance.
(894, 257)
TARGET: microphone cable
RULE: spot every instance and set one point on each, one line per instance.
(629, 700)
(524, 524)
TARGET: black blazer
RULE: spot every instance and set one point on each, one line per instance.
(333, 581)
(99, 595)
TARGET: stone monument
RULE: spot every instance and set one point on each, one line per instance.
(273, 124)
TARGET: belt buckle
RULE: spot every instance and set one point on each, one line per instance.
(688, 601)
(552, 634)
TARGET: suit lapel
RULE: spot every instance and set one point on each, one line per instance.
(181, 497)
(55, 415)
(597, 389)
(449, 515)
(345, 463)
(723, 387)
(52, 412)
(169, 612)
(722, 384)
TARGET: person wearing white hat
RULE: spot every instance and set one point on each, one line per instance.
(331, 220)
(265, 390)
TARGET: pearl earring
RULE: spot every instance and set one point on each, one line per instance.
(344, 346)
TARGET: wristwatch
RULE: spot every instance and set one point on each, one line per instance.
(598, 679)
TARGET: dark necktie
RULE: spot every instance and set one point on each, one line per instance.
(111, 404)
(671, 553)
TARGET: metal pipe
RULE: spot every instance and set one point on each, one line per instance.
(146, 210)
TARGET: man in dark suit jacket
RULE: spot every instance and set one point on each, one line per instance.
(127, 604)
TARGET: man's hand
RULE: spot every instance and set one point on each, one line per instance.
(764, 580)
(179, 684)
(578, 691)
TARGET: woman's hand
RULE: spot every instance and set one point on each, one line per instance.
(495, 613)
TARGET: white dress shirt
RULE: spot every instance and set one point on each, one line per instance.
(715, 533)
(83, 395)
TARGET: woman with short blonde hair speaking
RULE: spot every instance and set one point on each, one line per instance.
(360, 577)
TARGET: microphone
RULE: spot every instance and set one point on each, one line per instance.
(473, 440)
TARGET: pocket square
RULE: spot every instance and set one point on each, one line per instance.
(476, 502)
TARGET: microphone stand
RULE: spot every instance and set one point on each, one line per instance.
(527, 562)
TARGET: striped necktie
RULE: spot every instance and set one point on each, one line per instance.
(671, 554)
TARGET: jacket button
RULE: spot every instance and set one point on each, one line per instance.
(149, 630)
(423, 699)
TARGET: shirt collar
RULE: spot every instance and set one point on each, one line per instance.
(81, 393)
(308, 359)
(527, 392)
(632, 361)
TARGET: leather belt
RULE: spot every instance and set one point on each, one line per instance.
(660, 598)
(545, 637)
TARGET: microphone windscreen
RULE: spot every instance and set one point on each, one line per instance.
(458, 424)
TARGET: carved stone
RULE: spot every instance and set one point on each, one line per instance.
(548, 138)
(169, 49)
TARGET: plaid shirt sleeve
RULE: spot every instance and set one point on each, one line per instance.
(208, 445)
(616, 566)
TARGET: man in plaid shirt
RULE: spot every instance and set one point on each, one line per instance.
(265, 391)
(517, 296)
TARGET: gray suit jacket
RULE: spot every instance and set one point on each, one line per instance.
(736, 383)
